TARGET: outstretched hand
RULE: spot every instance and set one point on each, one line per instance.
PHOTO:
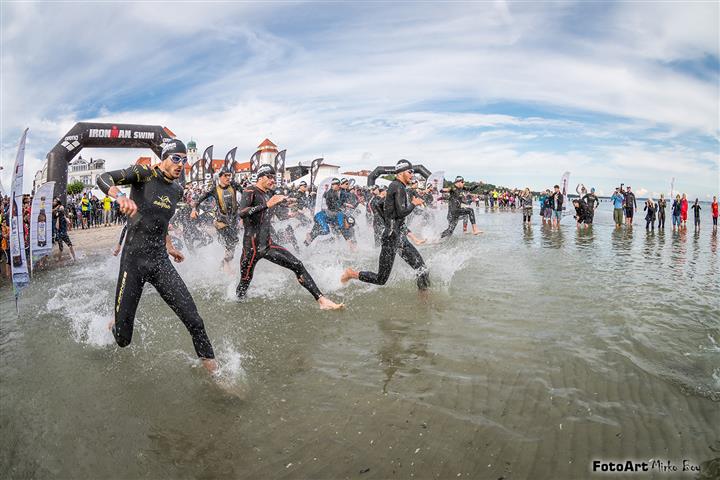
(275, 199)
(176, 255)
(127, 206)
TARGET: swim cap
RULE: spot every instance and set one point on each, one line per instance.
(592, 190)
(335, 181)
(302, 184)
(459, 179)
(172, 147)
(350, 220)
(265, 171)
(402, 166)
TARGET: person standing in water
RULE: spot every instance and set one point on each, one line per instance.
(526, 201)
(630, 205)
(696, 210)
(650, 215)
(145, 258)
(618, 200)
(661, 205)
(394, 238)
(592, 202)
(715, 213)
(684, 210)
(557, 199)
(226, 213)
(676, 213)
(257, 200)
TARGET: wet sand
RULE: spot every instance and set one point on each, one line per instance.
(537, 352)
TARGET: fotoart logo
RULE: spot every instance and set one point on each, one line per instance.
(652, 465)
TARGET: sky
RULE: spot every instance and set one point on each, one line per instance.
(508, 93)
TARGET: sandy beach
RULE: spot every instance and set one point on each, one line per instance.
(87, 243)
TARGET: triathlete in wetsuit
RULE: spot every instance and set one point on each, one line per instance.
(226, 213)
(394, 238)
(151, 204)
(661, 206)
(285, 232)
(455, 209)
(582, 213)
(303, 203)
(376, 206)
(630, 205)
(592, 202)
(256, 211)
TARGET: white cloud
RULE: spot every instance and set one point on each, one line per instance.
(358, 83)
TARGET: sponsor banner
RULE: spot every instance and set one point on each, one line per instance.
(280, 167)
(41, 220)
(314, 167)
(18, 262)
(120, 133)
(230, 160)
(254, 165)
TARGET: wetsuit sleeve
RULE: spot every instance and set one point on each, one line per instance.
(247, 209)
(202, 198)
(132, 175)
(402, 209)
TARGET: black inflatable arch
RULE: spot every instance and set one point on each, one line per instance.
(379, 171)
(100, 135)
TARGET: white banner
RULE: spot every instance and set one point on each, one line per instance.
(20, 275)
(41, 219)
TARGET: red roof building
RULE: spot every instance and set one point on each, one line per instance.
(268, 146)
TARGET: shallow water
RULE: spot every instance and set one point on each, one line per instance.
(536, 352)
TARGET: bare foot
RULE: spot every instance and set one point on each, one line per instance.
(228, 269)
(348, 275)
(476, 231)
(210, 365)
(327, 304)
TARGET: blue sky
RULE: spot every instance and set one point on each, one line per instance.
(509, 93)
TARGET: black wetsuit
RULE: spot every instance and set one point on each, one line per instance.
(226, 215)
(582, 213)
(591, 201)
(630, 204)
(455, 211)
(650, 215)
(378, 222)
(257, 243)
(144, 257)
(61, 235)
(661, 205)
(394, 239)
